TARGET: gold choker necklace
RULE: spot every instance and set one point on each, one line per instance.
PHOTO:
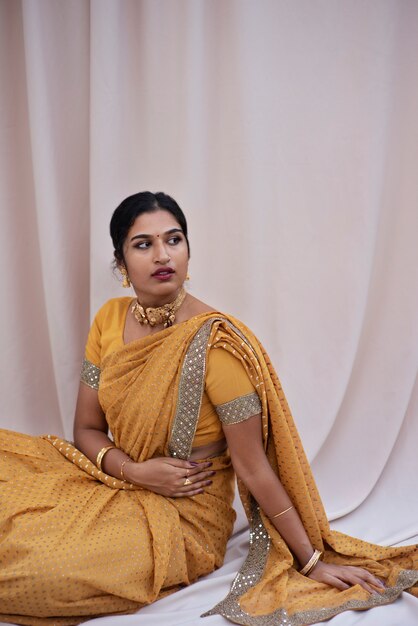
(165, 314)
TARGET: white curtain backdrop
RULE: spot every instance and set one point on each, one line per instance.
(288, 133)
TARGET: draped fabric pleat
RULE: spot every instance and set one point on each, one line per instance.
(288, 133)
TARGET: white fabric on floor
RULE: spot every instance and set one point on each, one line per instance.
(288, 133)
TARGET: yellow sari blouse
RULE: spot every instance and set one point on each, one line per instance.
(77, 543)
(226, 380)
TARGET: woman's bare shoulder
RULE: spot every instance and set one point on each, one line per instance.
(197, 307)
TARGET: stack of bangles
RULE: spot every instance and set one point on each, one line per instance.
(307, 569)
(99, 460)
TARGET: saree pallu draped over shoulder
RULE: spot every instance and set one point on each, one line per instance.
(76, 543)
(268, 590)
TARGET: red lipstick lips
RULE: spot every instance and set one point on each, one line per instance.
(163, 273)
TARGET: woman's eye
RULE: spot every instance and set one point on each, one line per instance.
(174, 240)
(142, 245)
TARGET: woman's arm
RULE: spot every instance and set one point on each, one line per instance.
(163, 475)
(91, 431)
(252, 467)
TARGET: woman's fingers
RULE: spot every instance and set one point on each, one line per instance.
(196, 474)
(336, 582)
(360, 576)
(345, 576)
(191, 489)
(201, 467)
(196, 481)
(371, 578)
(200, 484)
(173, 477)
(368, 581)
(191, 466)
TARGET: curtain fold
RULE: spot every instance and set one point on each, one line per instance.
(288, 133)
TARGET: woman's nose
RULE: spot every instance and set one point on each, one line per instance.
(161, 254)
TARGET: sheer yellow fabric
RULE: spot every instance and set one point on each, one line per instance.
(78, 543)
(225, 380)
(269, 589)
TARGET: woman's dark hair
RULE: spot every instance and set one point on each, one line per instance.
(133, 206)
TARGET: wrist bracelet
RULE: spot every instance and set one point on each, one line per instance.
(282, 513)
(308, 567)
(128, 460)
(101, 454)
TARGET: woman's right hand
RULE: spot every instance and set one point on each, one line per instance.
(345, 576)
(166, 476)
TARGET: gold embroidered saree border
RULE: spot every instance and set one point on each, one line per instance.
(252, 571)
(191, 386)
(231, 610)
(90, 374)
(67, 449)
(239, 409)
(406, 579)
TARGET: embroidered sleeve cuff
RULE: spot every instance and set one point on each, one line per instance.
(90, 374)
(239, 409)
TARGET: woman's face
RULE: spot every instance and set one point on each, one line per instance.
(156, 257)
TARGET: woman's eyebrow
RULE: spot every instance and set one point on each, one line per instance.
(146, 236)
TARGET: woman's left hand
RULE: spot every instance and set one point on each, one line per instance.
(345, 576)
(173, 478)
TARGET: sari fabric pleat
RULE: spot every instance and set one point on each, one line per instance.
(77, 543)
(269, 590)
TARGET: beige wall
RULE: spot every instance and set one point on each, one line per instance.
(288, 132)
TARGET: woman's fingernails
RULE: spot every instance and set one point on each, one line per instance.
(193, 463)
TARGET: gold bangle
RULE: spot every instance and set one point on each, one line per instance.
(313, 564)
(101, 454)
(128, 460)
(308, 567)
(282, 513)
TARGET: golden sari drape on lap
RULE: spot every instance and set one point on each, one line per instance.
(76, 543)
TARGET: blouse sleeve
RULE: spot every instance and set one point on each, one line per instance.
(90, 371)
(229, 387)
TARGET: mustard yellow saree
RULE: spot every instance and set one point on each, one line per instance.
(76, 543)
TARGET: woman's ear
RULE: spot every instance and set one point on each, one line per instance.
(125, 278)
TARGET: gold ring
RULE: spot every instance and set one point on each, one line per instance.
(187, 481)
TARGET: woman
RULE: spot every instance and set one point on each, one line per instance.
(108, 525)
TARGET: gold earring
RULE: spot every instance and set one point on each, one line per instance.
(188, 277)
(125, 282)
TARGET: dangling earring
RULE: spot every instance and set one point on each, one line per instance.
(125, 282)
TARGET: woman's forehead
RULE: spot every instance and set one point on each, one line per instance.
(155, 223)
